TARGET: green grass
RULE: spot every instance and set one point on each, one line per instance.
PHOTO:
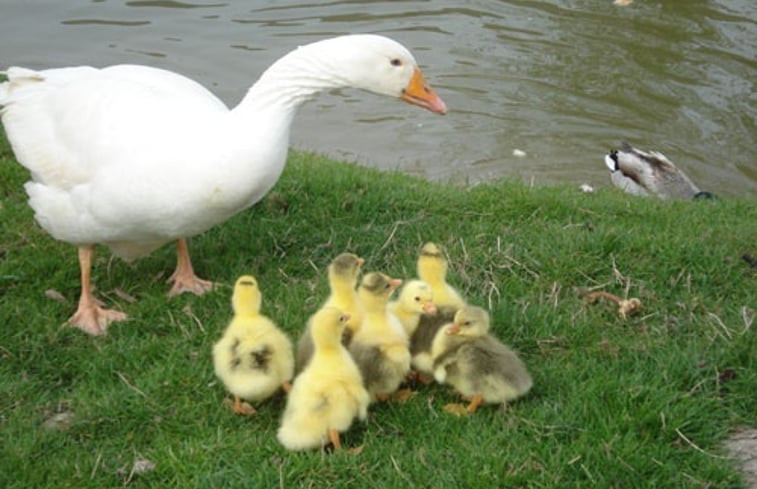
(644, 402)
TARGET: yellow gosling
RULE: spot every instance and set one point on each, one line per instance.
(328, 394)
(380, 346)
(343, 273)
(475, 363)
(253, 358)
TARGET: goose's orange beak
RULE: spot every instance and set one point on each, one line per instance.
(419, 92)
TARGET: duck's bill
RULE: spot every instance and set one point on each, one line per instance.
(419, 92)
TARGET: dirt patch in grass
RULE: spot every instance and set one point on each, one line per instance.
(742, 445)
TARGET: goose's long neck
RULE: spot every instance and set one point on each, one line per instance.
(292, 80)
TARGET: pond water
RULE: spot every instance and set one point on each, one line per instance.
(561, 80)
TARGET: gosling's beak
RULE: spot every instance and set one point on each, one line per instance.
(453, 329)
(360, 262)
(419, 92)
(429, 308)
(395, 282)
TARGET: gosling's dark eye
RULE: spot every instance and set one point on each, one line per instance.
(396, 62)
(466, 323)
(417, 299)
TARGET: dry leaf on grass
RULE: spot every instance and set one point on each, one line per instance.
(59, 421)
(125, 296)
(55, 295)
(140, 467)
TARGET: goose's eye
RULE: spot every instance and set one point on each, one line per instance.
(417, 299)
(467, 323)
(387, 286)
(396, 62)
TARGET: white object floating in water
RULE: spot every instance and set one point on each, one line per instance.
(519, 153)
(622, 2)
(586, 188)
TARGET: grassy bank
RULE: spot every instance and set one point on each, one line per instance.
(643, 402)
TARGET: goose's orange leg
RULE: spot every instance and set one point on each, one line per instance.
(184, 278)
(90, 317)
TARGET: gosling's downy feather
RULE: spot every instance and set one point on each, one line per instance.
(432, 269)
(343, 273)
(328, 394)
(380, 346)
(476, 363)
(253, 358)
(415, 300)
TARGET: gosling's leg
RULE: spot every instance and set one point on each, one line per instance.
(381, 396)
(242, 408)
(475, 402)
(334, 438)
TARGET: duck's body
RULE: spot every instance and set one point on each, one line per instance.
(343, 273)
(328, 394)
(380, 346)
(432, 269)
(253, 358)
(134, 157)
(477, 364)
(415, 300)
(649, 173)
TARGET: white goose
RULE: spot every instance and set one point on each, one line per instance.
(134, 157)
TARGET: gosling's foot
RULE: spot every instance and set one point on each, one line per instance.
(241, 407)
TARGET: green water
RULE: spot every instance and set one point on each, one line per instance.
(561, 80)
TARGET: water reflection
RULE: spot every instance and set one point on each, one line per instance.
(170, 4)
(562, 80)
(123, 23)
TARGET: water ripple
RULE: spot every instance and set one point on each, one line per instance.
(562, 80)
